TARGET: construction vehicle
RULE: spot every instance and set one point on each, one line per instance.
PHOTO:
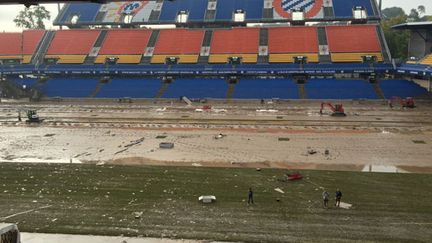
(408, 102)
(33, 117)
(337, 109)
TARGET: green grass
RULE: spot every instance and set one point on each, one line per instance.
(89, 199)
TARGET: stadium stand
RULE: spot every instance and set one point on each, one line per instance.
(197, 88)
(204, 11)
(20, 45)
(344, 8)
(240, 42)
(285, 43)
(127, 45)
(339, 89)
(130, 87)
(350, 43)
(202, 48)
(252, 9)
(250, 88)
(72, 46)
(85, 13)
(182, 43)
(69, 87)
(195, 8)
(401, 88)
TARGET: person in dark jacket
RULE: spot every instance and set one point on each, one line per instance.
(338, 197)
(250, 196)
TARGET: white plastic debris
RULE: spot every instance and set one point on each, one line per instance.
(207, 199)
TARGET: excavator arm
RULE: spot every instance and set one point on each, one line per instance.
(337, 110)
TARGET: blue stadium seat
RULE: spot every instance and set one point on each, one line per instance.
(196, 8)
(401, 88)
(28, 82)
(253, 9)
(69, 87)
(266, 89)
(339, 89)
(130, 87)
(343, 8)
(197, 88)
(86, 11)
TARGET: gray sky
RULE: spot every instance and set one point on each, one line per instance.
(8, 12)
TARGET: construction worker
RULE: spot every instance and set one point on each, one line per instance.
(250, 196)
(338, 197)
(326, 197)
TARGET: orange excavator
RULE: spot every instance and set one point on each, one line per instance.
(337, 109)
(408, 102)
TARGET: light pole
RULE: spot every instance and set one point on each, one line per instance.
(58, 13)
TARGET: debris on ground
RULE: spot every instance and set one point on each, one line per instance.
(166, 145)
(138, 215)
(220, 110)
(258, 169)
(267, 110)
(207, 199)
(279, 190)
(294, 176)
(220, 136)
(291, 177)
(121, 151)
(134, 142)
(312, 151)
(345, 205)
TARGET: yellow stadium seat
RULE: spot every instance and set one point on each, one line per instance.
(122, 59)
(354, 57)
(223, 58)
(68, 59)
(25, 58)
(289, 58)
(159, 59)
(427, 60)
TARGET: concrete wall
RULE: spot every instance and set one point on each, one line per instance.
(418, 46)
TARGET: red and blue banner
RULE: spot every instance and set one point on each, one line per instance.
(283, 8)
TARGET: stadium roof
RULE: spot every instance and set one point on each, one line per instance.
(414, 26)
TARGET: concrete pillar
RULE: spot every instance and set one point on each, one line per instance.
(430, 85)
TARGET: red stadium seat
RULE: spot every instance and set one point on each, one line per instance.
(355, 38)
(242, 42)
(185, 44)
(350, 43)
(285, 43)
(72, 46)
(20, 45)
(73, 42)
(127, 45)
(125, 42)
